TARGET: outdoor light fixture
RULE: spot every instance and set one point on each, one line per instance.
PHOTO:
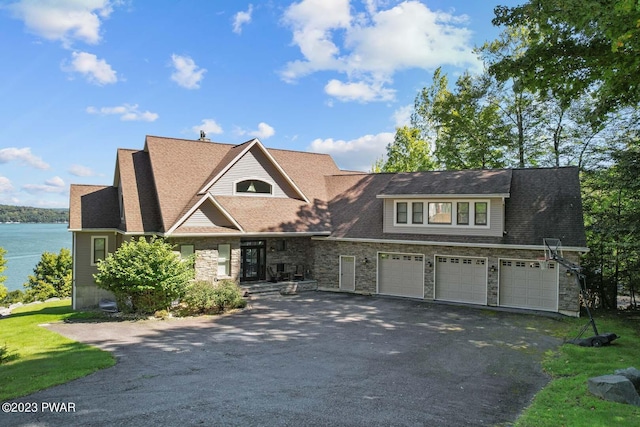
(365, 260)
(493, 269)
(430, 264)
(569, 273)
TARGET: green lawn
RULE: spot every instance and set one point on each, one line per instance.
(566, 401)
(39, 358)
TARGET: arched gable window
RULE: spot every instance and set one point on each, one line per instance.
(253, 186)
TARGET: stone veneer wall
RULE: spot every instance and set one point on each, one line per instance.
(206, 249)
(326, 255)
(296, 252)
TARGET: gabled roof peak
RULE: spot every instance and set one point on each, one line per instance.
(240, 151)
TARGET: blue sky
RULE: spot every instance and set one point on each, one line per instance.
(81, 78)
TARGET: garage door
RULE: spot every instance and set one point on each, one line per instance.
(461, 279)
(523, 284)
(401, 275)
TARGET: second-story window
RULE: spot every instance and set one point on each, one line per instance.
(253, 186)
(401, 212)
(416, 212)
(481, 213)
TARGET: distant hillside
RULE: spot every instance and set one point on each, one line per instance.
(28, 214)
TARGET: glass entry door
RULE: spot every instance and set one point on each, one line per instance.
(253, 260)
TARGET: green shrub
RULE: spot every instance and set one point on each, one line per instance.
(3, 293)
(145, 276)
(51, 276)
(206, 297)
(13, 297)
(40, 292)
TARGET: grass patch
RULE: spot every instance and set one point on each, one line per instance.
(36, 358)
(566, 401)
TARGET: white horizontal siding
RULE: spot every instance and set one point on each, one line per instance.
(207, 215)
(496, 223)
(253, 165)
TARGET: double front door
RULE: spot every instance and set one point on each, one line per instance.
(253, 260)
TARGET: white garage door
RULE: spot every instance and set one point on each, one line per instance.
(523, 284)
(401, 275)
(461, 279)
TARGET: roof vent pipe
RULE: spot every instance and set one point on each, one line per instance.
(203, 137)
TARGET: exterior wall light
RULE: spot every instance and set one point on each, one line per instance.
(493, 269)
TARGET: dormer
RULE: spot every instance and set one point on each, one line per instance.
(446, 203)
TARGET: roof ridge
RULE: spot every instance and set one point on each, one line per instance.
(189, 140)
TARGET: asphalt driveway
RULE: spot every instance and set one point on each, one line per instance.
(311, 359)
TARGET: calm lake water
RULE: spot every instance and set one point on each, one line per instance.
(25, 244)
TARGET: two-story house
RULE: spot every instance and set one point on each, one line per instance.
(250, 213)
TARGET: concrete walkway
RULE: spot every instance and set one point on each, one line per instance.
(312, 359)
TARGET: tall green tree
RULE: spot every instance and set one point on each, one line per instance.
(577, 47)
(611, 197)
(465, 125)
(52, 276)
(522, 108)
(407, 153)
(148, 275)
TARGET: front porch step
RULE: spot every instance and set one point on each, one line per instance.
(284, 288)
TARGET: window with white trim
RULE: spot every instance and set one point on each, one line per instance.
(461, 213)
(99, 245)
(417, 209)
(401, 212)
(254, 186)
(224, 259)
(440, 212)
(480, 213)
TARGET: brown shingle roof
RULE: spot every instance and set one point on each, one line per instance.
(160, 186)
(138, 192)
(93, 206)
(545, 203)
(179, 168)
(271, 214)
(451, 182)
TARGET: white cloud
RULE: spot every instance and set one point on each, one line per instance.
(241, 18)
(264, 131)
(22, 155)
(126, 112)
(5, 184)
(356, 154)
(53, 185)
(187, 74)
(313, 23)
(79, 170)
(208, 126)
(402, 116)
(95, 70)
(373, 45)
(64, 20)
(56, 181)
(359, 91)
